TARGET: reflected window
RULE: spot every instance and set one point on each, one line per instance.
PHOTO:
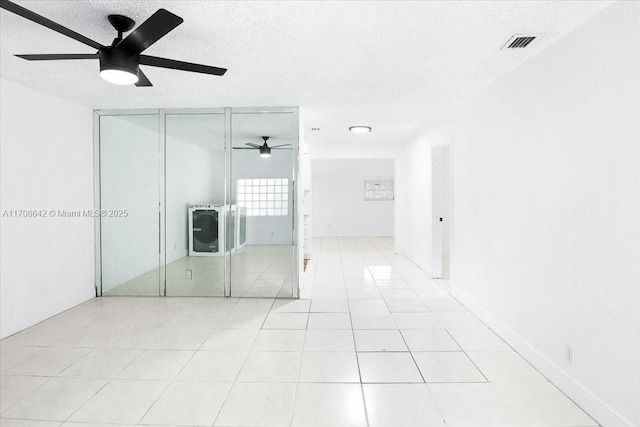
(264, 196)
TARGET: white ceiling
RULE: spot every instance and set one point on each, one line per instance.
(388, 65)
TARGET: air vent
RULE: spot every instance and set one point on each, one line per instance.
(519, 42)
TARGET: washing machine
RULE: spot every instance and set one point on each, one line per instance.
(206, 230)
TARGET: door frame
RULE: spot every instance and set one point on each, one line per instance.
(437, 191)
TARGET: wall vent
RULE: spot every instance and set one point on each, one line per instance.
(519, 42)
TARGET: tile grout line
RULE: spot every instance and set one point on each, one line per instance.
(353, 334)
(295, 392)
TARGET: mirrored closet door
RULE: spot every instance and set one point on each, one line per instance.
(262, 187)
(207, 200)
(129, 191)
(195, 204)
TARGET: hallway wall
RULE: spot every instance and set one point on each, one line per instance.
(47, 264)
(339, 208)
(546, 242)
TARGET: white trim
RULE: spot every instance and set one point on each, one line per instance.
(435, 263)
(97, 225)
(599, 410)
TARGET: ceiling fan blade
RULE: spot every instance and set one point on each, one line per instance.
(243, 148)
(143, 81)
(281, 145)
(150, 31)
(58, 56)
(38, 19)
(251, 144)
(154, 61)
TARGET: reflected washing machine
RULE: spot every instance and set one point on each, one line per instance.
(230, 221)
(241, 227)
(206, 230)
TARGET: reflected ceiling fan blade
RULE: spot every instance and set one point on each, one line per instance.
(154, 61)
(274, 148)
(244, 148)
(58, 56)
(143, 81)
(251, 144)
(281, 145)
(38, 19)
(150, 31)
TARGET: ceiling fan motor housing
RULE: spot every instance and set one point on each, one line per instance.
(118, 59)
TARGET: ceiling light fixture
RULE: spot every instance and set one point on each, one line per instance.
(120, 61)
(265, 151)
(118, 66)
(360, 129)
(119, 77)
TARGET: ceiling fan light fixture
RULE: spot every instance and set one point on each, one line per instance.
(118, 67)
(265, 152)
(119, 62)
(360, 129)
(119, 77)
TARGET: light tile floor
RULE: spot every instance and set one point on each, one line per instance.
(349, 353)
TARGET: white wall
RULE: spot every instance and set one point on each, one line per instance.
(413, 182)
(46, 160)
(339, 208)
(546, 242)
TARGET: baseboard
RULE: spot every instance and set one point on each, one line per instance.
(599, 410)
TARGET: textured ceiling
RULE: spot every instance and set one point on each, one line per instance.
(384, 64)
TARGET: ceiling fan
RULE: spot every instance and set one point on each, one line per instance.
(120, 61)
(265, 149)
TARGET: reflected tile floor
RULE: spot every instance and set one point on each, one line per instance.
(372, 342)
(256, 271)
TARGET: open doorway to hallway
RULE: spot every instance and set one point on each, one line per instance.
(352, 205)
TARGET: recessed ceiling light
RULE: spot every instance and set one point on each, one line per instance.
(360, 129)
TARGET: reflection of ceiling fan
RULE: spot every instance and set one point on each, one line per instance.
(265, 149)
(119, 63)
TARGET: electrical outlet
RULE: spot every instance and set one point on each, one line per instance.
(570, 355)
(189, 274)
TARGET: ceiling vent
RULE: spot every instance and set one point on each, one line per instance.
(519, 42)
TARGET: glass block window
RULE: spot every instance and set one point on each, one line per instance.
(378, 190)
(264, 196)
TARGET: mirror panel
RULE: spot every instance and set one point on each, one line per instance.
(195, 205)
(130, 199)
(262, 263)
